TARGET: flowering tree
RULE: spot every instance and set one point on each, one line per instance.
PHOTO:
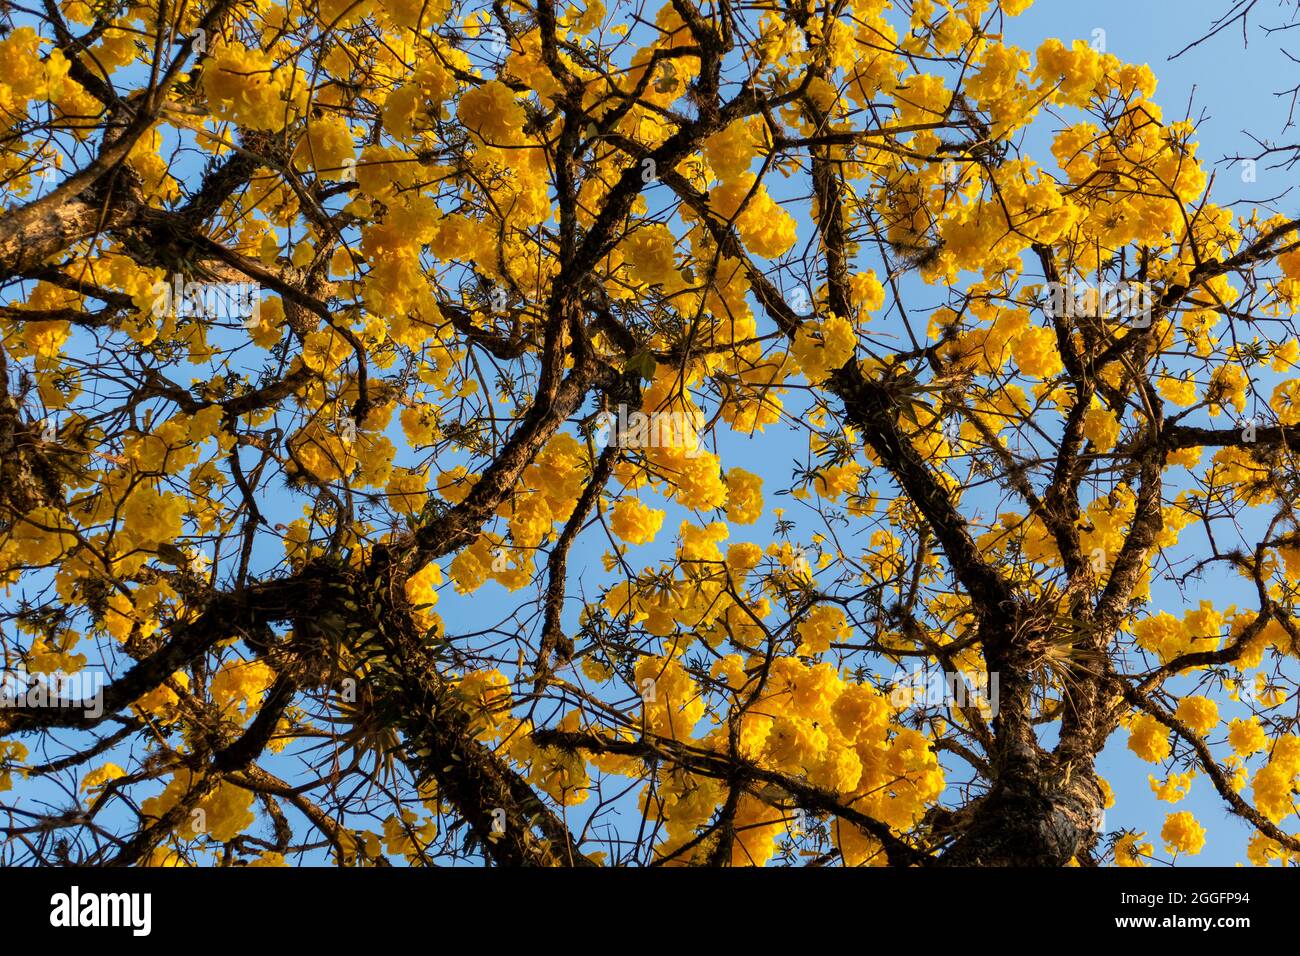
(319, 312)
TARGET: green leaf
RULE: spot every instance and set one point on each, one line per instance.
(644, 364)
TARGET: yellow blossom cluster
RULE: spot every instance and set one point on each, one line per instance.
(809, 722)
(222, 813)
(247, 87)
(1182, 834)
(821, 347)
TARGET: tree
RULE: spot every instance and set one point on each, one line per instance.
(319, 313)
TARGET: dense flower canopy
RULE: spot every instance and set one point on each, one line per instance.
(390, 397)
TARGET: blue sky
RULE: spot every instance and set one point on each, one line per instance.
(1235, 90)
(1230, 90)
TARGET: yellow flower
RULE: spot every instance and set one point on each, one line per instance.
(492, 112)
(672, 701)
(1072, 74)
(1274, 783)
(151, 517)
(102, 775)
(1286, 401)
(757, 827)
(487, 695)
(744, 556)
(1101, 428)
(1172, 789)
(1034, 350)
(268, 858)
(822, 347)
(744, 496)
(1285, 355)
(1128, 852)
(1227, 385)
(1148, 738)
(650, 254)
(407, 490)
(420, 424)
(731, 151)
(241, 683)
(824, 625)
(634, 522)
(766, 228)
(1179, 391)
(161, 701)
(244, 86)
(421, 587)
(1247, 736)
(866, 291)
(1182, 834)
(595, 670)
(328, 149)
(1199, 713)
(220, 816)
(860, 712)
